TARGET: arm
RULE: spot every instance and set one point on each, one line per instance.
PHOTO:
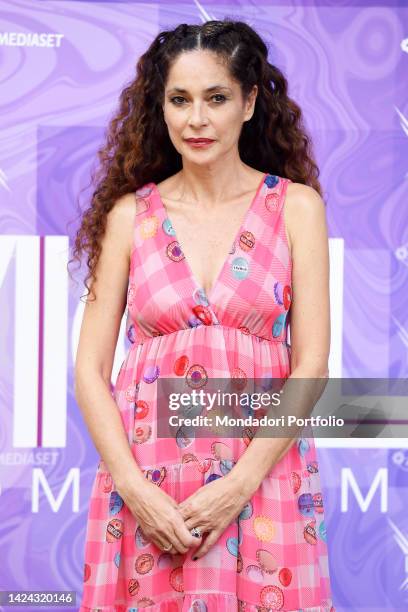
(305, 221)
(97, 344)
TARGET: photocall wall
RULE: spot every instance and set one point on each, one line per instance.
(62, 66)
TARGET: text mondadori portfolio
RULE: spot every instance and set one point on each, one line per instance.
(282, 421)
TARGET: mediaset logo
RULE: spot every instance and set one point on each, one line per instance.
(30, 39)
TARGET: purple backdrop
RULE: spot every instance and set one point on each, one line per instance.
(347, 66)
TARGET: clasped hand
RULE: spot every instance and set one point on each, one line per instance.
(212, 508)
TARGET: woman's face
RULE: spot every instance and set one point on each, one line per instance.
(193, 110)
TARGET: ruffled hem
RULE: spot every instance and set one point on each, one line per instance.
(202, 602)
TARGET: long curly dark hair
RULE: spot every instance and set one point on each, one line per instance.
(138, 148)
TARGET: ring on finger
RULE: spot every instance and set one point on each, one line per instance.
(196, 532)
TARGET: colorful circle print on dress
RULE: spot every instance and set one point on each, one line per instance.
(296, 482)
(176, 579)
(305, 504)
(151, 373)
(285, 576)
(115, 503)
(114, 530)
(264, 528)
(322, 531)
(168, 228)
(247, 241)
(141, 433)
(302, 446)
(131, 393)
(203, 314)
(240, 268)
(272, 201)
(255, 573)
(246, 512)
(144, 563)
(198, 605)
(309, 533)
(133, 586)
(196, 376)
(140, 540)
(116, 559)
(232, 546)
(142, 205)
(184, 436)
(271, 180)
(155, 475)
(149, 227)
(220, 450)
(318, 503)
(272, 597)
(141, 409)
(279, 325)
(278, 293)
(174, 252)
(181, 365)
(200, 297)
(287, 297)
(267, 561)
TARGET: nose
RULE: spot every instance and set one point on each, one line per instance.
(197, 115)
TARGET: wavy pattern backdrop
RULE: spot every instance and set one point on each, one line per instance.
(347, 66)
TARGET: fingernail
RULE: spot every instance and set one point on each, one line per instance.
(195, 558)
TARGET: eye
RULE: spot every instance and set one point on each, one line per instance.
(175, 99)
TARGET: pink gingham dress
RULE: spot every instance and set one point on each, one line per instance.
(274, 555)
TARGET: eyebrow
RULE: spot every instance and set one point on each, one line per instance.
(208, 89)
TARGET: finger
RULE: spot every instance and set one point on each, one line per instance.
(206, 545)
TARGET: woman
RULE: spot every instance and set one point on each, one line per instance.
(207, 218)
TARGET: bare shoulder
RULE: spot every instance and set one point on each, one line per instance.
(121, 220)
(304, 208)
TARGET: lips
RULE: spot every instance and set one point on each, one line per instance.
(199, 140)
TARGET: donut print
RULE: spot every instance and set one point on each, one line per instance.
(309, 533)
(140, 538)
(322, 531)
(264, 528)
(305, 504)
(200, 297)
(278, 293)
(302, 446)
(272, 597)
(115, 503)
(203, 314)
(144, 563)
(168, 228)
(287, 297)
(165, 560)
(141, 409)
(318, 503)
(285, 576)
(238, 379)
(271, 180)
(198, 605)
(266, 561)
(196, 376)
(176, 579)
(116, 559)
(254, 573)
(232, 546)
(296, 482)
(142, 205)
(272, 201)
(114, 530)
(247, 241)
(133, 586)
(184, 436)
(151, 373)
(220, 450)
(143, 602)
(181, 365)
(141, 432)
(149, 226)
(156, 476)
(278, 325)
(240, 268)
(174, 252)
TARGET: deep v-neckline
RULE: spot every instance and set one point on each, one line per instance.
(210, 294)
